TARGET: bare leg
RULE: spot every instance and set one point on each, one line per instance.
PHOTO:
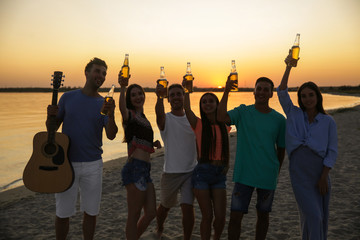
(219, 202)
(161, 215)
(188, 220)
(204, 199)
(234, 229)
(262, 225)
(135, 202)
(149, 209)
(89, 224)
(61, 227)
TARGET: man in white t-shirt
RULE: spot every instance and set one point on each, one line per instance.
(179, 161)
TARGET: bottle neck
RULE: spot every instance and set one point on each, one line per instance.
(297, 41)
(233, 69)
(188, 69)
(111, 91)
(162, 73)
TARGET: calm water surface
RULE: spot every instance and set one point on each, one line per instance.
(23, 115)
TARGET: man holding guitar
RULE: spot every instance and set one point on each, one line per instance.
(79, 113)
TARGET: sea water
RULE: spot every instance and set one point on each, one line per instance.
(24, 114)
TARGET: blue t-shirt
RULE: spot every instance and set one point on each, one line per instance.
(258, 134)
(320, 135)
(84, 124)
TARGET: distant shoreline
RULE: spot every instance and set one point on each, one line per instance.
(339, 90)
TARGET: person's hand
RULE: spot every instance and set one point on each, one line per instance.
(159, 90)
(323, 185)
(229, 84)
(157, 144)
(183, 83)
(124, 82)
(109, 107)
(289, 61)
(52, 110)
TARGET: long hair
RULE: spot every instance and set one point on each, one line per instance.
(208, 140)
(130, 106)
(315, 88)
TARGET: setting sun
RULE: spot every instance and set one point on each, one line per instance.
(209, 34)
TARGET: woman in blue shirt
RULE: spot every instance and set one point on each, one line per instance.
(311, 144)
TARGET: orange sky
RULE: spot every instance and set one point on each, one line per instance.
(39, 37)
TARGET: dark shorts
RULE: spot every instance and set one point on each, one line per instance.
(241, 197)
(208, 176)
(138, 172)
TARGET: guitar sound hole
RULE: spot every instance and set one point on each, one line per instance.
(59, 158)
(50, 148)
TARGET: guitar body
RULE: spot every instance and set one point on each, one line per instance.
(49, 169)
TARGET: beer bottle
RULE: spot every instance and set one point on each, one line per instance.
(234, 76)
(162, 81)
(125, 69)
(189, 79)
(296, 47)
(107, 99)
(295, 50)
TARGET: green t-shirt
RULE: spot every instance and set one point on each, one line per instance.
(258, 135)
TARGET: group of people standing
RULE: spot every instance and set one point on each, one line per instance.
(196, 155)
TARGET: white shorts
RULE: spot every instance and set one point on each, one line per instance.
(88, 181)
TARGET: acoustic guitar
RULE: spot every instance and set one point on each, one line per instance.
(49, 169)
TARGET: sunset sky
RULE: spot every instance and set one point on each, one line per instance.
(39, 37)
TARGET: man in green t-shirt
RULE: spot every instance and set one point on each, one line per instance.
(259, 154)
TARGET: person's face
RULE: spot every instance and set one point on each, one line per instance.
(176, 98)
(308, 98)
(208, 104)
(96, 75)
(137, 98)
(262, 92)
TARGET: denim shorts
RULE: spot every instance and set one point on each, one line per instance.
(138, 172)
(208, 176)
(241, 197)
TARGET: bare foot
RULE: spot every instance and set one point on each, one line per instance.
(159, 232)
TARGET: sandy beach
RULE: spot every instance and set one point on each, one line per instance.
(28, 215)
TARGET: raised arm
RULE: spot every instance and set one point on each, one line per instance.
(111, 128)
(159, 108)
(222, 115)
(289, 63)
(122, 101)
(52, 122)
(187, 107)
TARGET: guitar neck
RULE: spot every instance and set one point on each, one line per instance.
(52, 122)
(54, 97)
(52, 127)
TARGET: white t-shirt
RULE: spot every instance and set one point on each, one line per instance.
(180, 145)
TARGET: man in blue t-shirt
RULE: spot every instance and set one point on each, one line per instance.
(79, 113)
(259, 154)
